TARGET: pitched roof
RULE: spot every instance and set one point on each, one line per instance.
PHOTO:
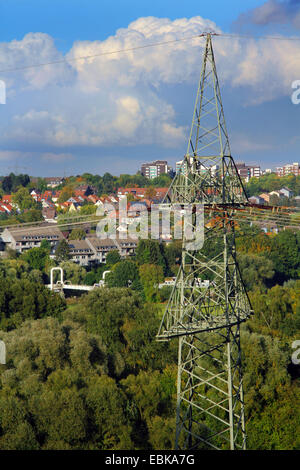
(44, 231)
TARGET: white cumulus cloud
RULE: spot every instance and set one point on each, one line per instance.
(118, 98)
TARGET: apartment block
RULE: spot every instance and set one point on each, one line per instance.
(180, 167)
(289, 169)
(248, 171)
(93, 250)
(22, 239)
(155, 169)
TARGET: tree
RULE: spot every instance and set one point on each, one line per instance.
(11, 182)
(23, 199)
(151, 275)
(113, 257)
(255, 270)
(22, 299)
(55, 393)
(173, 254)
(150, 252)
(41, 185)
(285, 254)
(73, 272)
(37, 258)
(124, 274)
(275, 310)
(77, 234)
(62, 251)
(65, 194)
(88, 209)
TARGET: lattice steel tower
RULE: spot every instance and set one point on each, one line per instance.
(206, 316)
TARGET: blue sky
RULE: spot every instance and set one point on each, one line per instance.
(113, 113)
(70, 20)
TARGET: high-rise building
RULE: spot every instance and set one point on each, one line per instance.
(248, 171)
(289, 169)
(155, 169)
(180, 167)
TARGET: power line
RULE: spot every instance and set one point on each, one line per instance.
(239, 216)
(74, 59)
(250, 36)
(145, 46)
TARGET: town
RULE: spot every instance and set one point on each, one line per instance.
(59, 200)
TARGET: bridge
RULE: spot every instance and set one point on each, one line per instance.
(62, 285)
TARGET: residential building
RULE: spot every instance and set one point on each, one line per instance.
(49, 213)
(256, 200)
(265, 197)
(286, 192)
(81, 252)
(180, 167)
(276, 193)
(22, 239)
(248, 171)
(155, 169)
(54, 181)
(93, 250)
(141, 192)
(289, 169)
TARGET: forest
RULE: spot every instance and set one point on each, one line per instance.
(86, 373)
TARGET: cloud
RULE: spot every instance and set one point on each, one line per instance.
(273, 11)
(242, 143)
(56, 157)
(9, 155)
(17, 155)
(119, 99)
(152, 65)
(33, 49)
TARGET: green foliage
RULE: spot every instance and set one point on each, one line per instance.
(272, 182)
(91, 375)
(113, 257)
(11, 182)
(37, 258)
(73, 272)
(22, 299)
(277, 310)
(77, 234)
(124, 274)
(277, 426)
(255, 270)
(23, 199)
(173, 254)
(88, 209)
(126, 327)
(31, 215)
(151, 275)
(285, 254)
(66, 193)
(91, 278)
(62, 251)
(150, 252)
(61, 371)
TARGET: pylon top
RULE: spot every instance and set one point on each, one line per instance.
(208, 172)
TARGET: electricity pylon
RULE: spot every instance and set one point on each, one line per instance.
(206, 316)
